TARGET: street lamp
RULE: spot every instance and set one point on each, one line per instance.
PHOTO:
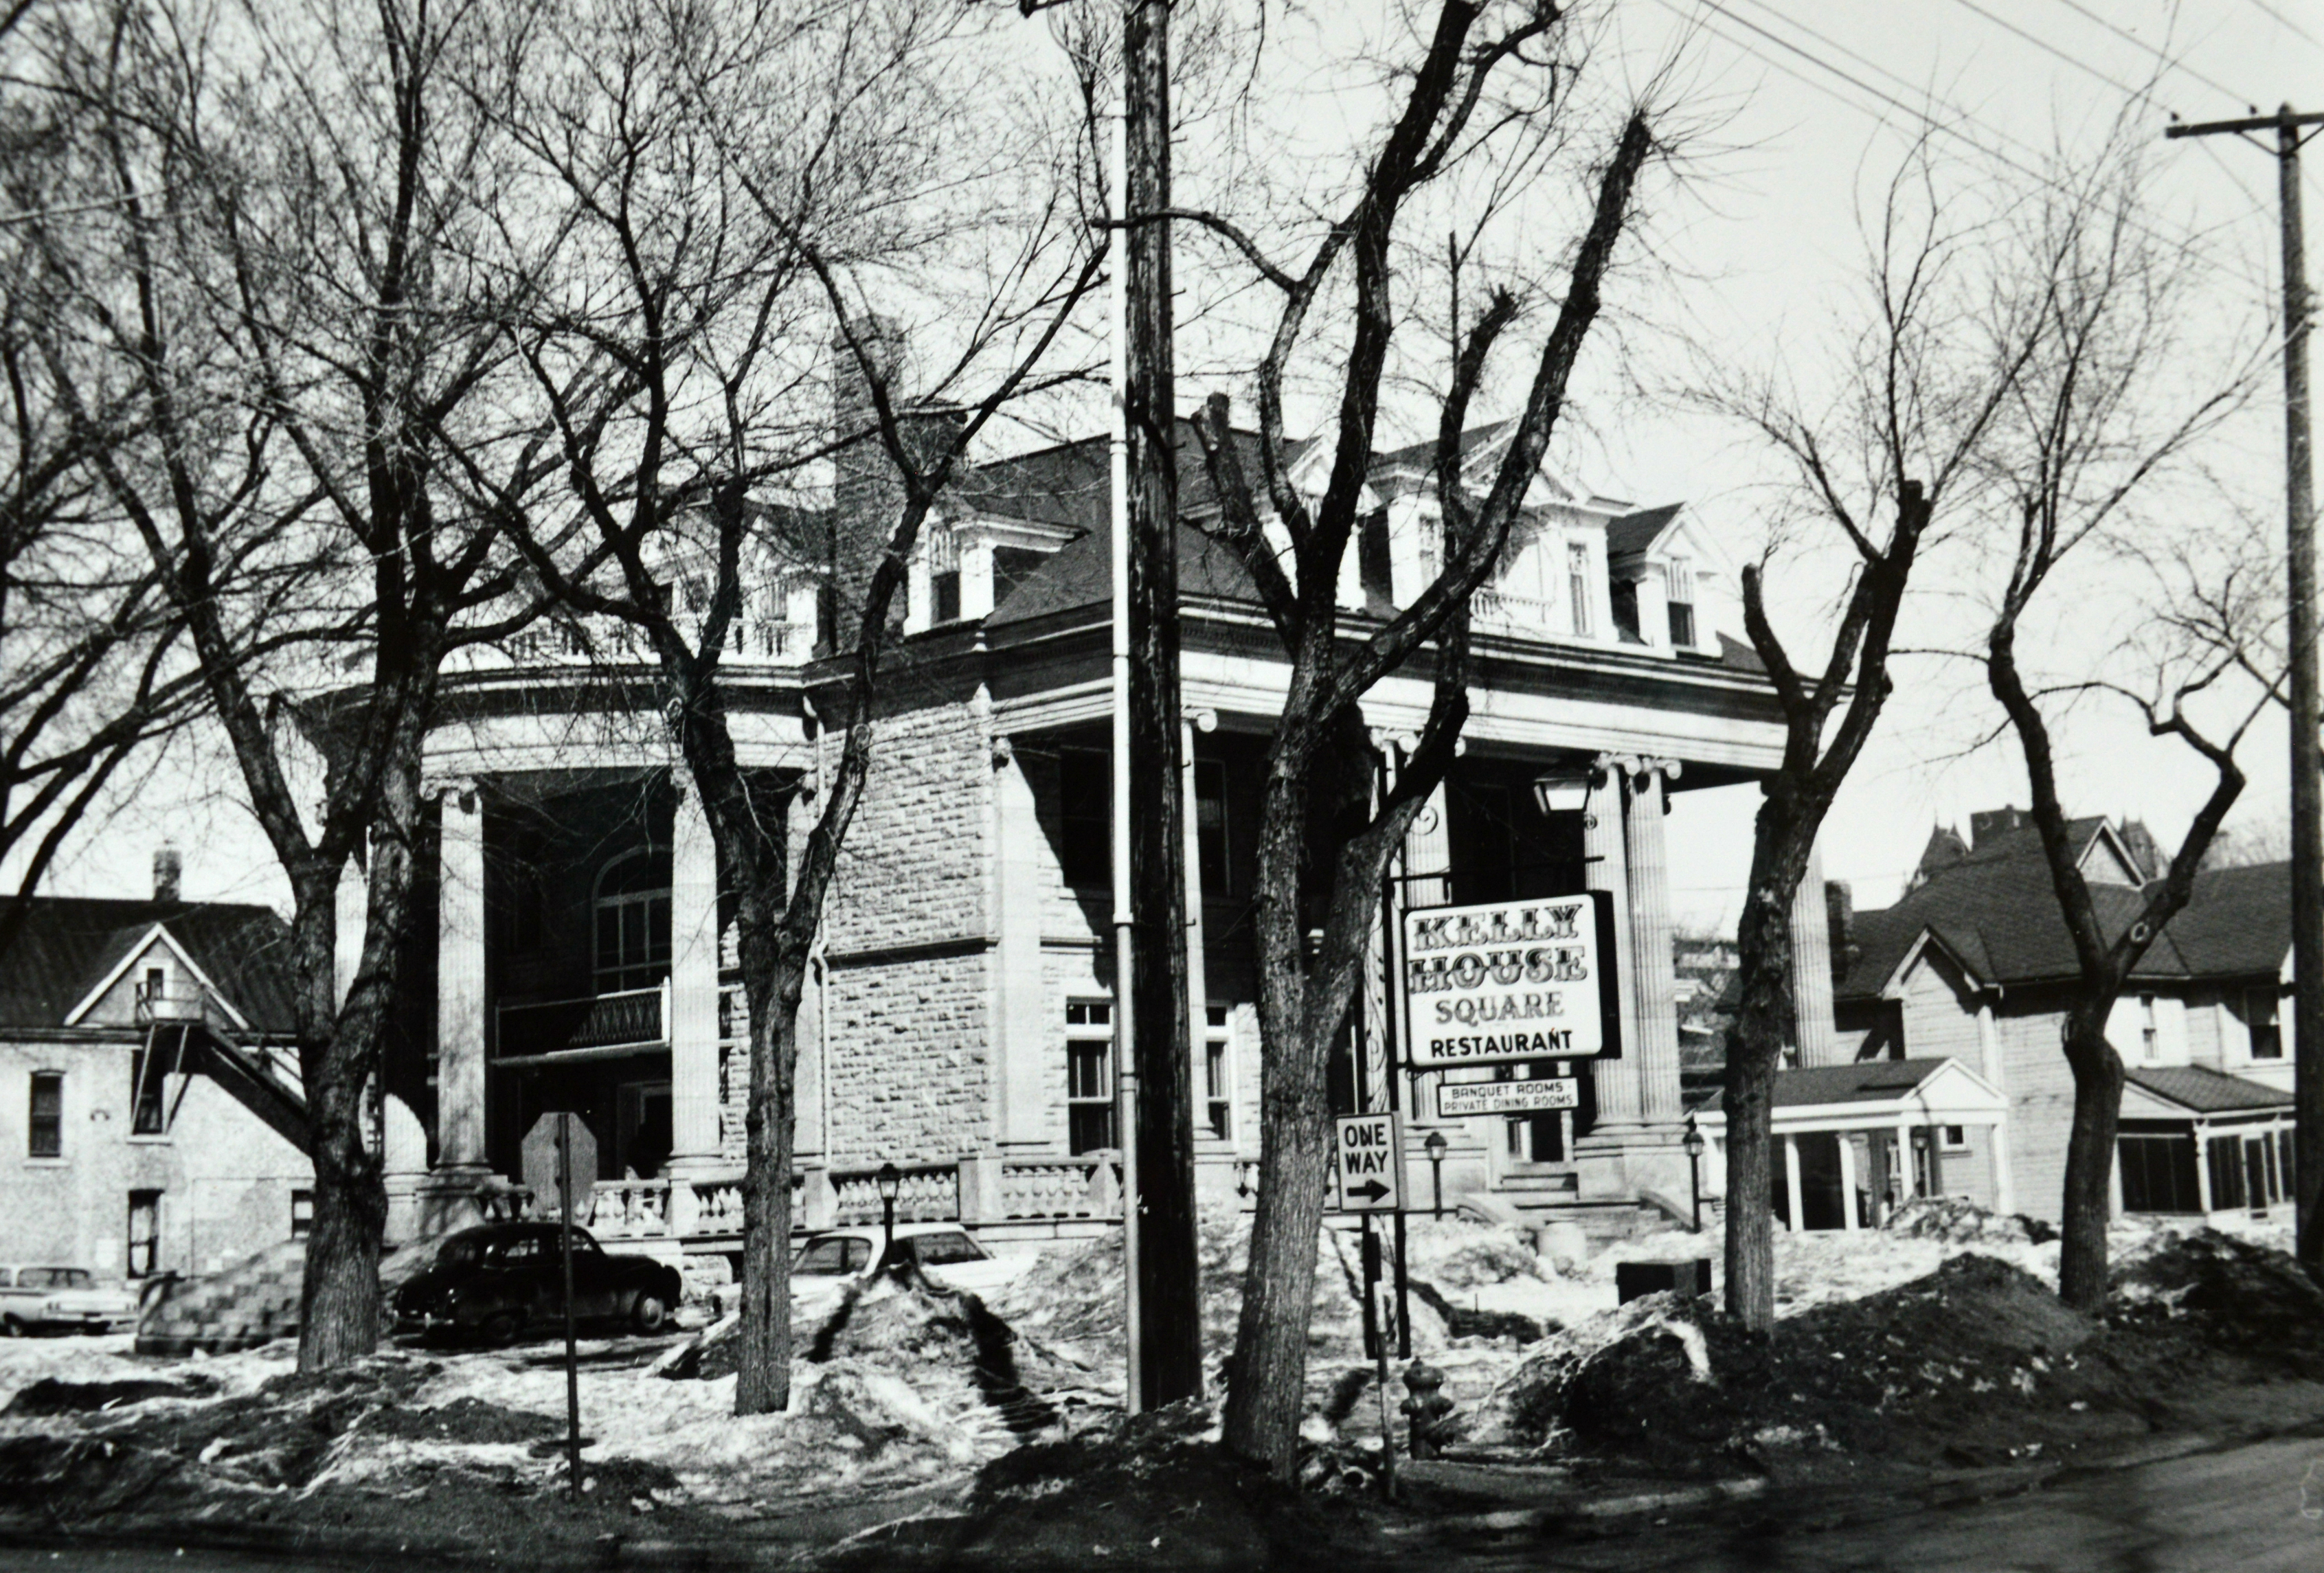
(1694, 1145)
(1562, 792)
(1436, 1144)
(889, 1180)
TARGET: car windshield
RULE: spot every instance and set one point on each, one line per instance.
(832, 1255)
(947, 1250)
(60, 1277)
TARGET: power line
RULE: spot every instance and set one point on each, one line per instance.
(2172, 62)
(2287, 21)
(1923, 116)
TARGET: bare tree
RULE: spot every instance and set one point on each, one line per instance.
(2092, 422)
(91, 663)
(777, 172)
(285, 283)
(1485, 94)
(1918, 388)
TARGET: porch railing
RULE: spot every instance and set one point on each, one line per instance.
(631, 1018)
(981, 1188)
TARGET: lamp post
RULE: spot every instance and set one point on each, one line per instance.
(890, 1182)
(1436, 1144)
(1694, 1145)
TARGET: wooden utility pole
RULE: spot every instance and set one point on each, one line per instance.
(2307, 749)
(1169, 1338)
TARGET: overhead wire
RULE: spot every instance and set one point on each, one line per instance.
(2287, 21)
(1892, 101)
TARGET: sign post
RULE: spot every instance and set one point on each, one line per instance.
(572, 1360)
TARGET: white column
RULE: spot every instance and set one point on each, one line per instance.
(2004, 1187)
(460, 982)
(1650, 945)
(693, 1025)
(1907, 1183)
(1023, 1072)
(1811, 969)
(2202, 1172)
(1198, 998)
(1605, 845)
(1798, 1218)
(1428, 849)
(1848, 1219)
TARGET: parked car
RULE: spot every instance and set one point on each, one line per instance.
(492, 1282)
(44, 1298)
(830, 1259)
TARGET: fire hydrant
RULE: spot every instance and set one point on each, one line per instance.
(1428, 1410)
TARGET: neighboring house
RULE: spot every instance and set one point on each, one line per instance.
(1974, 965)
(149, 1101)
(959, 1017)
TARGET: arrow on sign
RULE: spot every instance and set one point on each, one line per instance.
(1370, 1190)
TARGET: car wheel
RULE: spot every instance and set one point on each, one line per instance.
(10, 1327)
(649, 1312)
(500, 1329)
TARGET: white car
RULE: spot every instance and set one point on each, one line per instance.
(42, 1299)
(831, 1259)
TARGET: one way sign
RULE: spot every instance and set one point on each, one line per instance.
(1369, 1175)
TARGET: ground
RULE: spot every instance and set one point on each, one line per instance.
(989, 1437)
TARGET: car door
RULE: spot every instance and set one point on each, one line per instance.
(523, 1281)
(596, 1277)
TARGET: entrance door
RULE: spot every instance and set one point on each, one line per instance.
(642, 1128)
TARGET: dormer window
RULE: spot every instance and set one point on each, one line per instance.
(1680, 577)
(944, 576)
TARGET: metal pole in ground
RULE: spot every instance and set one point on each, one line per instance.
(572, 1354)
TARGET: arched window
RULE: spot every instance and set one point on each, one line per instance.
(632, 921)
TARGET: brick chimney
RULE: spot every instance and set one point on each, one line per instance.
(867, 494)
(168, 870)
(1988, 823)
(1840, 918)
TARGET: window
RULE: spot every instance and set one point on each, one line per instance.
(1955, 1138)
(833, 1256)
(302, 1214)
(1680, 576)
(144, 1232)
(1089, 1076)
(947, 1250)
(1085, 811)
(2150, 1036)
(2266, 1033)
(633, 915)
(1218, 1042)
(45, 1131)
(2225, 1157)
(944, 576)
(149, 1080)
(1577, 587)
(2158, 1173)
(1210, 825)
(1624, 595)
(155, 991)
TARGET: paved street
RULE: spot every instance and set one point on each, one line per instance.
(2240, 1509)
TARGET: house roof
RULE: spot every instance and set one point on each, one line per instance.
(71, 944)
(1994, 909)
(2203, 1090)
(1637, 533)
(1866, 1081)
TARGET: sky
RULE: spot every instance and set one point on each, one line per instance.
(1808, 106)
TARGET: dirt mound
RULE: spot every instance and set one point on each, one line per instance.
(2227, 1292)
(1074, 1295)
(1958, 1220)
(1956, 1364)
(464, 1419)
(51, 1396)
(1152, 1492)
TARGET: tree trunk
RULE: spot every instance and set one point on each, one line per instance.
(1755, 1053)
(774, 975)
(2089, 1157)
(1267, 1382)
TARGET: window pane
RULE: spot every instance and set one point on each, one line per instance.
(942, 1250)
(1681, 624)
(45, 1130)
(1084, 790)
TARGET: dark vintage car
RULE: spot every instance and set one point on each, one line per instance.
(494, 1283)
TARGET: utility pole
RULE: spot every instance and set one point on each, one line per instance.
(2307, 749)
(1168, 1340)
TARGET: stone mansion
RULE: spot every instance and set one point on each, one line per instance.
(958, 1018)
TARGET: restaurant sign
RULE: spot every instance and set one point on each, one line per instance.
(1510, 981)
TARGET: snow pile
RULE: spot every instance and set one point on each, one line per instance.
(2234, 1292)
(1961, 1221)
(1455, 1253)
